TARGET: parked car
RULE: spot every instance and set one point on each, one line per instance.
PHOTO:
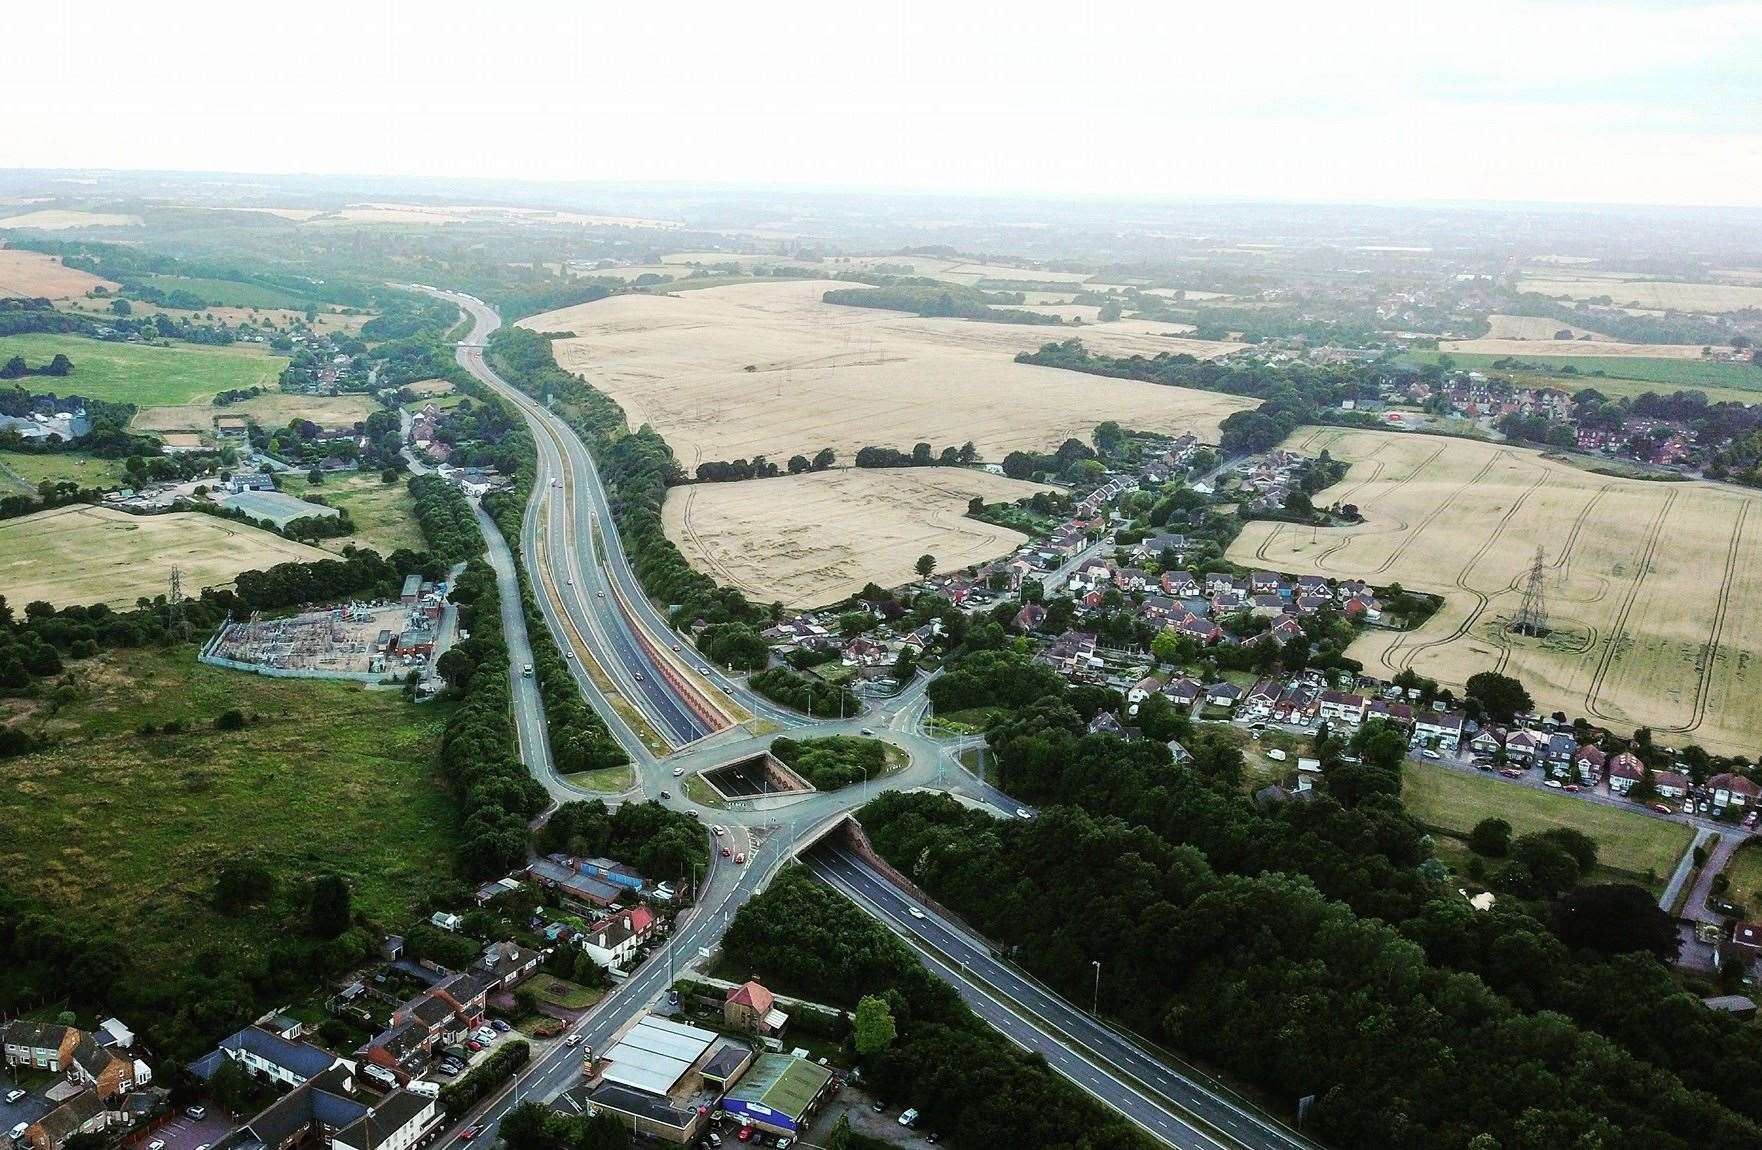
(501, 1026)
(1552, 784)
(474, 1046)
(445, 1071)
(195, 1113)
(727, 853)
(1430, 754)
(909, 1117)
(739, 858)
(719, 829)
(746, 1134)
(1024, 813)
(867, 731)
(678, 772)
(1572, 788)
(878, 1107)
(1662, 809)
(14, 1095)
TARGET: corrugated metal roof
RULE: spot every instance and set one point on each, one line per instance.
(655, 1054)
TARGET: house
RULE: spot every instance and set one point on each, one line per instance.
(269, 1057)
(444, 921)
(1181, 585)
(1525, 745)
(1398, 714)
(109, 1073)
(1733, 790)
(558, 873)
(615, 940)
(1671, 784)
(314, 1111)
(1182, 691)
(1222, 694)
(1260, 700)
(1590, 763)
(1142, 690)
(1106, 723)
(507, 964)
(401, 1120)
(1440, 731)
(1264, 582)
(84, 1113)
(1625, 769)
(1487, 741)
(1341, 707)
(490, 891)
(752, 1008)
(1029, 617)
(38, 1045)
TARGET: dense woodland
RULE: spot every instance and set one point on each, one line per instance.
(1320, 948)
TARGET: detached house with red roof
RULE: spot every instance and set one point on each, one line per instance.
(752, 1008)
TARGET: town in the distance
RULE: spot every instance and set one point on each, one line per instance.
(1063, 653)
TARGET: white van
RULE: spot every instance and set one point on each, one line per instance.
(380, 1075)
(424, 1087)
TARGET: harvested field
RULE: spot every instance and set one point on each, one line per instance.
(272, 409)
(384, 513)
(271, 317)
(1654, 590)
(1601, 348)
(1533, 327)
(33, 274)
(814, 539)
(430, 387)
(822, 375)
(58, 219)
(21, 471)
(1662, 294)
(97, 555)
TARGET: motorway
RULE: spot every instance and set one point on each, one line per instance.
(694, 718)
(1166, 1100)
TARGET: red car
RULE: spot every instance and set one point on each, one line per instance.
(470, 1132)
(740, 859)
(474, 1046)
(746, 1134)
(727, 853)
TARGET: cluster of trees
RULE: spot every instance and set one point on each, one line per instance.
(922, 455)
(17, 368)
(19, 315)
(738, 646)
(480, 752)
(918, 1042)
(1239, 933)
(1071, 454)
(832, 761)
(648, 836)
(759, 467)
(811, 696)
(444, 515)
(536, 1126)
(934, 298)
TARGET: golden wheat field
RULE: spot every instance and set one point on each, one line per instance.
(1533, 327)
(34, 275)
(770, 369)
(1598, 347)
(270, 410)
(1660, 294)
(1654, 590)
(97, 555)
(813, 539)
(60, 219)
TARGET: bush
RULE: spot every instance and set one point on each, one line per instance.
(1491, 838)
(230, 720)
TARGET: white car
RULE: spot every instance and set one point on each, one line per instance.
(914, 912)
(1430, 754)
(13, 1096)
(1024, 813)
(678, 772)
(1552, 784)
(572, 1040)
(719, 829)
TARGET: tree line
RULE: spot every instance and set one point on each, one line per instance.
(921, 455)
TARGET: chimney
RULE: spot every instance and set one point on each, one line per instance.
(627, 922)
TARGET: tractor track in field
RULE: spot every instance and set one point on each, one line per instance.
(1619, 627)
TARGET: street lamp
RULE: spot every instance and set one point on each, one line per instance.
(1095, 1003)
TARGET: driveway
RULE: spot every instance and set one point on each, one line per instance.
(855, 1104)
(26, 1110)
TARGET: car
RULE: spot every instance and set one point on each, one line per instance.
(202, 1146)
(602, 594)
(639, 676)
(745, 1135)
(909, 1117)
(571, 582)
(703, 670)
(1552, 784)
(666, 794)
(572, 1040)
(868, 731)
(568, 654)
(715, 1138)
(14, 1095)
(474, 1046)
(556, 483)
(676, 646)
(739, 858)
(486, 1034)
(1662, 809)
(932, 1137)
(501, 1026)
(195, 1113)
(1570, 788)
(156, 1144)
(694, 816)
(878, 1107)
(719, 830)
(1752, 818)
(727, 853)
(1430, 754)
(678, 772)
(914, 912)
(469, 1133)
(445, 1071)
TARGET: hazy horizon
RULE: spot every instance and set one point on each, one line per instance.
(1490, 104)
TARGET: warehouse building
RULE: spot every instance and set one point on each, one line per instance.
(778, 1094)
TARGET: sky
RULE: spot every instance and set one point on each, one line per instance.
(1656, 103)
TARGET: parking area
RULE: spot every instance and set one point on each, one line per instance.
(859, 1107)
(185, 1133)
(26, 1110)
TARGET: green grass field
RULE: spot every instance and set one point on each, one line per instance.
(1670, 374)
(1627, 842)
(146, 376)
(1745, 872)
(384, 513)
(230, 293)
(128, 831)
(21, 472)
(562, 992)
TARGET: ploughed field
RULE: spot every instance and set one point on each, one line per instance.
(1653, 590)
(816, 538)
(771, 369)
